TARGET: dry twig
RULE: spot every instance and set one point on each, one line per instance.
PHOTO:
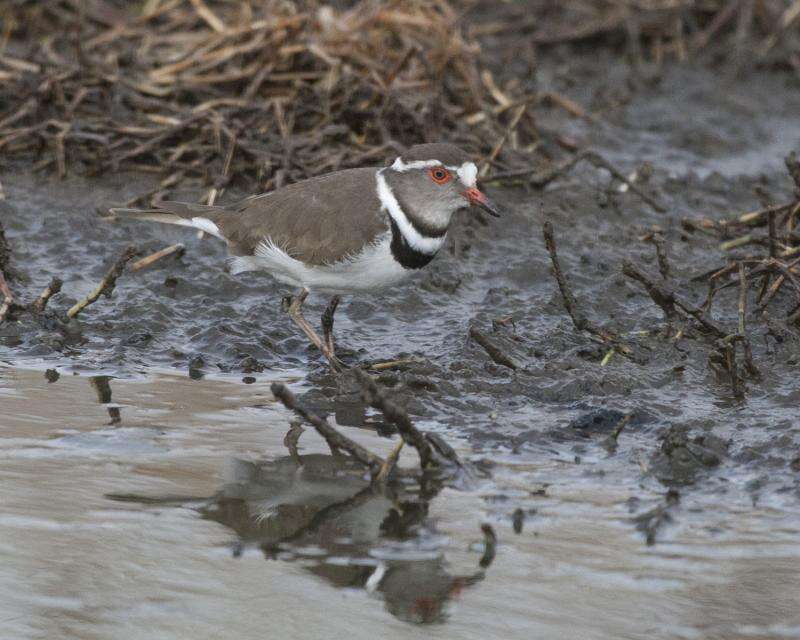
(495, 353)
(580, 321)
(376, 398)
(335, 440)
(38, 305)
(107, 284)
(177, 249)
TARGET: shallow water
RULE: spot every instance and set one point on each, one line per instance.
(194, 554)
(147, 491)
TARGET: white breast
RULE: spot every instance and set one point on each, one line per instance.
(371, 269)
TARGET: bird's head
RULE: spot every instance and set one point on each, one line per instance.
(432, 181)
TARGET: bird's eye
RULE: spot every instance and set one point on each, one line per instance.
(439, 175)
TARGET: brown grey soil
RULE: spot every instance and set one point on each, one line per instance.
(708, 141)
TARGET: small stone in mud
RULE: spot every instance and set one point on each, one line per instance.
(597, 420)
(138, 339)
(517, 520)
(196, 365)
(51, 375)
(421, 382)
(794, 465)
(681, 458)
(249, 364)
(248, 379)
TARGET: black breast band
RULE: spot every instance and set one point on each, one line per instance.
(404, 253)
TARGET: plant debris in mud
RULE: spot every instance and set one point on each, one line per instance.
(434, 453)
(11, 309)
(271, 93)
(766, 273)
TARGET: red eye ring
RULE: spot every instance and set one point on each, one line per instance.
(439, 175)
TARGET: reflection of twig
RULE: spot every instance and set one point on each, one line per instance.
(291, 439)
(332, 512)
(398, 417)
(599, 161)
(391, 461)
(334, 439)
(107, 284)
(650, 522)
(539, 178)
(5, 253)
(489, 546)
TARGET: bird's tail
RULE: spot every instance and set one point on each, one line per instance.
(197, 216)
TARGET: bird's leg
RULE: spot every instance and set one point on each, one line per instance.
(292, 305)
(327, 323)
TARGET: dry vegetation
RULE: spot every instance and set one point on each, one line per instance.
(271, 92)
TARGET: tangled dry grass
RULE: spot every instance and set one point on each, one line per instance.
(255, 89)
(269, 92)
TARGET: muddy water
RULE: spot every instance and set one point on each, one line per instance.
(147, 490)
(190, 553)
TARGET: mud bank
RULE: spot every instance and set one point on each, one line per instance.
(711, 479)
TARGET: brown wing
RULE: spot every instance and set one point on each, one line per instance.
(318, 221)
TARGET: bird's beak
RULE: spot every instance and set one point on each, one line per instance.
(477, 198)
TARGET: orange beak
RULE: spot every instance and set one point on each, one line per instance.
(477, 198)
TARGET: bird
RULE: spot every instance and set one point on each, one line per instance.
(351, 231)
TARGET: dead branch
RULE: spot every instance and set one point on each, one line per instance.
(38, 305)
(177, 249)
(661, 253)
(495, 353)
(391, 462)
(580, 322)
(668, 301)
(742, 298)
(8, 298)
(5, 257)
(611, 442)
(377, 399)
(541, 178)
(107, 284)
(334, 439)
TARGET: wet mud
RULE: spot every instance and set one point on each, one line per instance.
(663, 480)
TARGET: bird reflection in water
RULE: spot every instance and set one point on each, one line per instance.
(321, 509)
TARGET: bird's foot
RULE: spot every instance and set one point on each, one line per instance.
(337, 366)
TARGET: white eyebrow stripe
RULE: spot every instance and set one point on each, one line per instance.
(414, 238)
(399, 165)
(467, 172)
